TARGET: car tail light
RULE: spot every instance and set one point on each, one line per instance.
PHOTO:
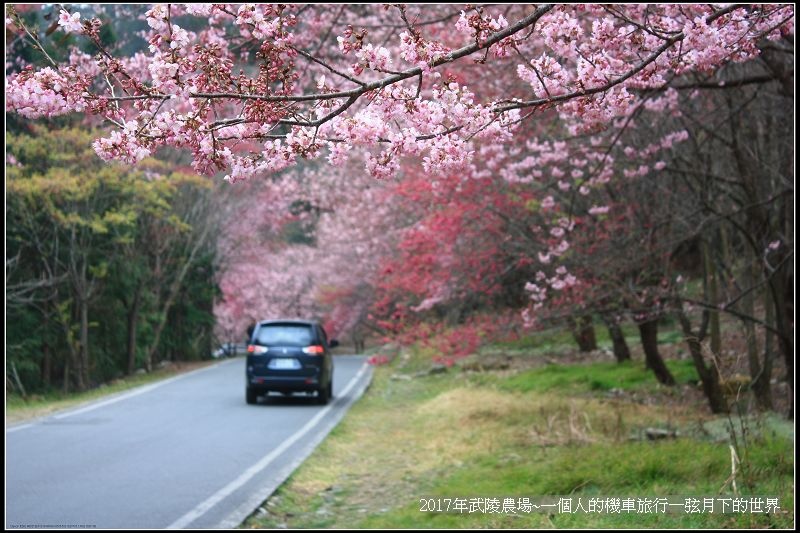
(256, 350)
(314, 350)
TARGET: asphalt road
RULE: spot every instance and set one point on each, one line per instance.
(183, 453)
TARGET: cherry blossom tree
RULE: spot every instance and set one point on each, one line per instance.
(346, 227)
(253, 92)
(507, 139)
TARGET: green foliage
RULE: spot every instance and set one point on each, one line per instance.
(84, 233)
(189, 336)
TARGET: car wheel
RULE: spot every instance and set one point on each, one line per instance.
(251, 396)
(323, 395)
(330, 389)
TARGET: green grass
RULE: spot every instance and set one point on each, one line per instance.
(578, 378)
(641, 469)
(543, 340)
(19, 409)
(557, 340)
(549, 431)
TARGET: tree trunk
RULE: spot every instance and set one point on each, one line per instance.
(47, 355)
(648, 331)
(760, 225)
(162, 321)
(47, 364)
(709, 377)
(776, 286)
(18, 382)
(358, 343)
(760, 373)
(712, 280)
(621, 351)
(65, 384)
(80, 306)
(66, 318)
(173, 293)
(83, 354)
(583, 332)
(133, 320)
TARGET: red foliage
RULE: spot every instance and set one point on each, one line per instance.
(377, 360)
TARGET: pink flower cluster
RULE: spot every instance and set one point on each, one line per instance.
(373, 58)
(545, 76)
(265, 22)
(45, 93)
(70, 23)
(122, 146)
(479, 27)
(421, 52)
(539, 291)
(157, 17)
(589, 64)
(199, 10)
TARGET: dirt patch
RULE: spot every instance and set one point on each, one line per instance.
(514, 361)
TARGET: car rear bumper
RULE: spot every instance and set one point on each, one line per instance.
(283, 384)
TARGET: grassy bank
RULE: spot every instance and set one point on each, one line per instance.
(20, 409)
(579, 429)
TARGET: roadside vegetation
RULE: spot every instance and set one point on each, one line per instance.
(519, 421)
(109, 270)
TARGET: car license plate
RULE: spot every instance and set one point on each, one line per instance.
(284, 364)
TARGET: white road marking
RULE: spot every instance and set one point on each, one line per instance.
(135, 392)
(257, 496)
(17, 428)
(265, 461)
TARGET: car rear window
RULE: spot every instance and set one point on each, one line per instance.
(284, 335)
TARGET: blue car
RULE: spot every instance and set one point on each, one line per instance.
(289, 356)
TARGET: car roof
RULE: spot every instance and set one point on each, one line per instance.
(296, 321)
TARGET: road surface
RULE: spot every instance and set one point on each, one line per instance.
(187, 452)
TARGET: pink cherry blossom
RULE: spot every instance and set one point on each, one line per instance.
(71, 23)
(587, 64)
